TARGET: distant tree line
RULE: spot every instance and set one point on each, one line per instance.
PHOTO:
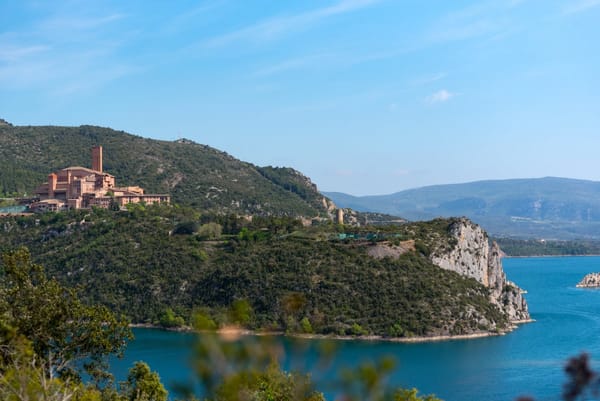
(535, 247)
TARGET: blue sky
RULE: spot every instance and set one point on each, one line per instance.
(363, 96)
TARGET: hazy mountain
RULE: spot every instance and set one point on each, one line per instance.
(194, 174)
(550, 207)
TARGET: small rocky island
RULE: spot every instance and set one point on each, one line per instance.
(589, 281)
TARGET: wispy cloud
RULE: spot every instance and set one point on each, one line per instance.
(292, 64)
(274, 28)
(332, 60)
(94, 78)
(78, 23)
(12, 53)
(581, 6)
(440, 96)
(190, 17)
(463, 31)
(64, 52)
(492, 18)
(430, 78)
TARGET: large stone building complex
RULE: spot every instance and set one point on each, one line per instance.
(80, 187)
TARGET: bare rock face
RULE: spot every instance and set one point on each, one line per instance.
(473, 256)
(591, 280)
(386, 250)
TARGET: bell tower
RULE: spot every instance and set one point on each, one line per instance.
(97, 158)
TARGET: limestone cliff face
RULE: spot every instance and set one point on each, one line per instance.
(473, 256)
(591, 280)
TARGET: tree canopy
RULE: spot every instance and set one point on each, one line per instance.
(64, 333)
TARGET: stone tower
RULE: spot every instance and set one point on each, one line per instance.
(340, 216)
(97, 158)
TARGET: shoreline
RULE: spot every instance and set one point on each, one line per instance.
(232, 333)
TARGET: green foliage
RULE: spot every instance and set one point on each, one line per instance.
(210, 230)
(23, 376)
(202, 321)
(397, 331)
(128, 262)
(306, 326)
(63, 331)
(169, 319)
(186, 228)
(422, 248)
(27, 381)
(47, 337)
(240, 312)
(143, 385)
(357, 330)
(412, 395)
(7, 202)
(291, 180)
(271, 385)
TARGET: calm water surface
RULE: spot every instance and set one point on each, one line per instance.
(528, 361)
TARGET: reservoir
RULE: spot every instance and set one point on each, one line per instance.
(528, 361)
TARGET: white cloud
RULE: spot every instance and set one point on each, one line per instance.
(581, 6)
(440, 96)
(274, 28)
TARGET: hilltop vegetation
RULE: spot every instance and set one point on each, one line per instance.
(162, 263)
(195, 175)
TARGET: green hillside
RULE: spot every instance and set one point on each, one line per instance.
(195, 175)
(550, 208)
(149, 261)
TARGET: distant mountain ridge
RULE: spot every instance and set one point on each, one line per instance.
(193, 174)
(549, 207)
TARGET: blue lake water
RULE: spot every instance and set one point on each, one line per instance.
(528, 361)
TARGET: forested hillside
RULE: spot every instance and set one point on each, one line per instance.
(160, 263)
(194, 174)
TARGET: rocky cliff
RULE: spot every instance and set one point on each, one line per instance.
(591, 280)
(472, 255)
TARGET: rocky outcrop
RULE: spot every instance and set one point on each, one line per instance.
(472, 255)
(387, 250)
(591, 280)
